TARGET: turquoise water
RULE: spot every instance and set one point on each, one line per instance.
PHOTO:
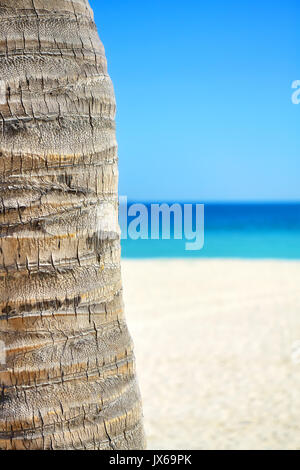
(233, 231)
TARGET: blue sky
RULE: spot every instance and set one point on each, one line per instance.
(204, 97)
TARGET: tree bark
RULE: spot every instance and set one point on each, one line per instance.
(69, 380)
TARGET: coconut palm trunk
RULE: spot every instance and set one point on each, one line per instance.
(69, 379)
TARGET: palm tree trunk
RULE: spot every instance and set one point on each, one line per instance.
(69, 380)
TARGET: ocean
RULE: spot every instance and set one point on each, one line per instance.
(235, 230)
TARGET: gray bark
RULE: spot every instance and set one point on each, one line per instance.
(69, 380)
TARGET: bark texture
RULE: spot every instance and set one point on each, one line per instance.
(69, 381)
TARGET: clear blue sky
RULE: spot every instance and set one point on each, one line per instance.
(204, 97)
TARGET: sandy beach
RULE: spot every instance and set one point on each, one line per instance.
(218, 351)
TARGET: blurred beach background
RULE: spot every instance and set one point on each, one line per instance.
(205, 115)
(217, 332)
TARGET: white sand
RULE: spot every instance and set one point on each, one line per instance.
(217, 352)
